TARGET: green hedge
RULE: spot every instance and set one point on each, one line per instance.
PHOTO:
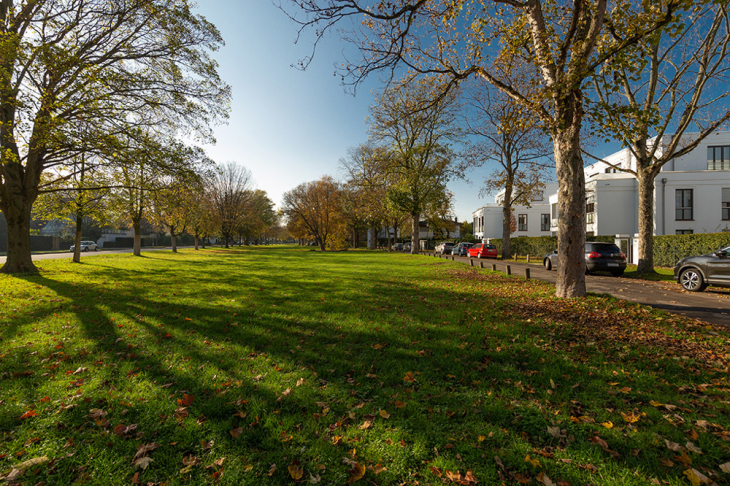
(539, 245)
(669, 249)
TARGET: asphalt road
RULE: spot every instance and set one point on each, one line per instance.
(712, 305)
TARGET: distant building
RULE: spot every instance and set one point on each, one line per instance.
(531, 221)
(426, 232)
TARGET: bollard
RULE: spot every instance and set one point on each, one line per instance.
(509, 270)
(527, 274)
(471, 261)
(452, 258)
(528, 258)
(494, 267)
(481, 264)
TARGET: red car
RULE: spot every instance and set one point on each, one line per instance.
(483, 251)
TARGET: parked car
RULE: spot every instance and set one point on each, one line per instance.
(695, 273)
(483, 250)
(407, 247)
(462, 249)
(398, 247)
(86, 246)
(445, 248)
(600, 257)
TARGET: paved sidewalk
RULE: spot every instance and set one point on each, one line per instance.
(712, 305)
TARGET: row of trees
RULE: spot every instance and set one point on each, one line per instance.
(191, 196)
(626, 69)
(96, 97)
(102, 88)
(402, 173)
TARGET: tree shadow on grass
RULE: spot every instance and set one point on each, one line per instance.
(460, 371)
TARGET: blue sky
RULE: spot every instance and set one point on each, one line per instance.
(289, 126)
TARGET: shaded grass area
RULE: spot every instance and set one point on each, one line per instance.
(250, 366)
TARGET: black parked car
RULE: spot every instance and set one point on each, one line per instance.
(695, 273)
(600, 257)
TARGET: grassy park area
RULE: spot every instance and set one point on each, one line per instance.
(266, 366)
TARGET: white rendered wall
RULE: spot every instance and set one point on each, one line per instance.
(707, 208)
(616, 205)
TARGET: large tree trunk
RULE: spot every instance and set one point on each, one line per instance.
(77, 239)
(137, 225)
(321, 244)
(372, 241)
(506, 222)
(415, 232)
(19, 258)
(196, 242)
(173, 240)
(571, 206)
(646, 221)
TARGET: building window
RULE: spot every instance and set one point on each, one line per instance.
(611, 170)
(590, 208)
(718, 158)
(683, 205)
(726, 204)
(522, 222)
(544, 222)
(684, 232)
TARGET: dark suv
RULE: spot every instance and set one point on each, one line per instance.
(600, 257)
(695, 273)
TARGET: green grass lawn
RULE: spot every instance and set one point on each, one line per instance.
(259, 366)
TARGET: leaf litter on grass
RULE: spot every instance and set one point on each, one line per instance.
(447, 369)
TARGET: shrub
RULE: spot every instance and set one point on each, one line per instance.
(669, 249)
(539, 245)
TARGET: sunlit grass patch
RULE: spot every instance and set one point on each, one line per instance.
(251, 366)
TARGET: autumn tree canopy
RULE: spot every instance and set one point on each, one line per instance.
(316, 206)
(418, 134)
(511, 138)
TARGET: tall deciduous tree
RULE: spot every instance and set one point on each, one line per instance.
(418, 133)
(259, 216)
(231, 190)
(93, 62)
(145, 162)
(510, 137)
(171, 206)
(565, 41)
(316, 205)
(365, 169)
(680, 83)
(82, 195)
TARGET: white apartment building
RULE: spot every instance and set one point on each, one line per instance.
(535, 220)
(691, 195)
